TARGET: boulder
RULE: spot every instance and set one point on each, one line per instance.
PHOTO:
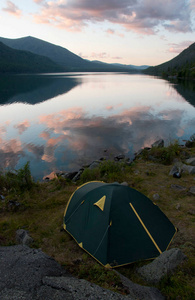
(162, 265)
(140, 292)
(188, 169)
(192, 190)
(156, 197)
(191, 161)
(178, 187)
(119, 157)
(159, 143)
(22, 237)
(95, 164)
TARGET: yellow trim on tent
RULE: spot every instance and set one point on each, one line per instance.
(75, 192)
(108, 266)
(125, 264)
(155, 244)
(100, 203)
(64, 226)
(80, 245)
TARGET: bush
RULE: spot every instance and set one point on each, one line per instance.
(19, 181)
(164, 155)
(106, 171)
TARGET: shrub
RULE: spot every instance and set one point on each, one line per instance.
(106, 171)
(17, 181)
(164, 155)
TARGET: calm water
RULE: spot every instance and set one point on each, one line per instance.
(62, 121)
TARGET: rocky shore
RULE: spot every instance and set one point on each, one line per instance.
(30, 274)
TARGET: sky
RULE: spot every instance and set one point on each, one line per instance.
(138, 32)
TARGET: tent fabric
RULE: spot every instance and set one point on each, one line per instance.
(116, 224)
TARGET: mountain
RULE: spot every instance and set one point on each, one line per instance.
(183, 65)
(143, 67)
(17, 61)
(63, 57)
(124, 67)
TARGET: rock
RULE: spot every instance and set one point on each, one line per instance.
(173, 170)
(176, 172)
(159, 143)
(119, 157)
(2, 198)
(22, 237)
(192, 190)
(95, 164)
(162, 265)
(188, 169)
(80, 289)
(191, 161)
(124, 183)
(178, 206)
(27, 273)
(139, 152)
(178, 188)
(156, 197)
(70, 175)
(49, 177)
(22, 268)
(140, 292)
(30, 274)
(77, 176)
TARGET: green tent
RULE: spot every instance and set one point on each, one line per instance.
(116, 224)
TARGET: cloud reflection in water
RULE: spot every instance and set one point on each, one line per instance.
(63, 133)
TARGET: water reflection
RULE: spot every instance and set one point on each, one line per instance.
(73, 129)
(186, 89)
(33, 89)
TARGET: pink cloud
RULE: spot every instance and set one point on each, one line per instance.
(2, 130)
(22, 126)
(45, 135)
(12, 9)
(178, 48)
(110, 31)
(100, 55)
(117, 57)
(141, 16)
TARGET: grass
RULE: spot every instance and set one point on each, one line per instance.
(41, 208)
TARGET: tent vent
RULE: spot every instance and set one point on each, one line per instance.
(100, 203)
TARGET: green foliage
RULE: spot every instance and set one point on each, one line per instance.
(106, 171)
(17, 61)
(164, 155)
(181, 66)
(16, 181)
(99, 275)
(176, 287)
(191, 142)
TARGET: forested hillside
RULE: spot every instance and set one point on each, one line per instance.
(182, 66)
(17, 61)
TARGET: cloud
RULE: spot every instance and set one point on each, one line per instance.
(141, 16)
(85, 137)
(110, 31)
(10, 153)
(192, 4)
(101, 55)
(12, 9)
(22, 126)
(117, 57)
(178, 48)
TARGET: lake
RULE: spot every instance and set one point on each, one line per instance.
(60, 122)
